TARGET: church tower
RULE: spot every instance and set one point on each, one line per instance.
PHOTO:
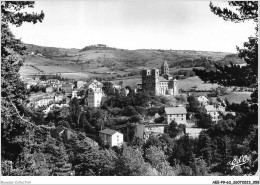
(165, 68)
(165, 71)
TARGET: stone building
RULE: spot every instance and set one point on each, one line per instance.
(159, 84)
(177, 114)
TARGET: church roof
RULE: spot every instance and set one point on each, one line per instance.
(161, 79)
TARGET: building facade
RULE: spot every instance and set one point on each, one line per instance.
(159, 84)
(177, 114)
(94, 93)
(203, 100)
(213, 112)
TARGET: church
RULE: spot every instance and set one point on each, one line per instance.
(159, 82)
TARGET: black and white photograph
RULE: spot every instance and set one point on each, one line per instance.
(125, 88)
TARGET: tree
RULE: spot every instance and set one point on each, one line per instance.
(95, 162)
(141, 99)
(130, 111)
(59, 160)
(43, 77)
(13, 125)
(130, 163)
(193, 104)
(108, 88)
(75, 110)
(174, 129)
(204, 120)
(233, 135)
(83, 123)
(158, 160)
(235, 75)
(121, 83)
(204, 147)
(183, 151)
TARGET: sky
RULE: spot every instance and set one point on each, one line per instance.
(134, 24)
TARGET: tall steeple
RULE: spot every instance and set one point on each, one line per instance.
(165, 68)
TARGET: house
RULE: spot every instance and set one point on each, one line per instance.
(53, 81)
(124, 92)
(116, 86)
(67, 88)
(212, 111)
(74, 93)
(111, 137)
(95, 93)
(80, 84)
(49, 89)
(95, 96)
(93, 84)
(177, 114)
(58, 97)
(43, 102)
(203, 100)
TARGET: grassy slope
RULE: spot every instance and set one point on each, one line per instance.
(74, 63)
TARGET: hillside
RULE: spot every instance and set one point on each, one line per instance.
(100, 60)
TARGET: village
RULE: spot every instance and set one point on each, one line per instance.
(56, 94)
(129, 88)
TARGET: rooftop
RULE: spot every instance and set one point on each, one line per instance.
(210, 108)
(161, 79)
(108, 131)
(67, 85)
(175, 110)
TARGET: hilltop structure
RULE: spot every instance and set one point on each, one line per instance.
(159, 84)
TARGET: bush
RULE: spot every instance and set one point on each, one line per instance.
(159, 120)
(115, 111)
(130, 111)
(140, 110)
(152, 111)
(135, 119)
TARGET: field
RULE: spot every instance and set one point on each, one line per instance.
(28, 70)
(122, 61)
(237, 97)
(182, 84)
(190, 82)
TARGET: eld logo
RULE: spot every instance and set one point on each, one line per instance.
(238, 161)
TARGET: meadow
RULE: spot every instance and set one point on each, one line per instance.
(237, 97)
